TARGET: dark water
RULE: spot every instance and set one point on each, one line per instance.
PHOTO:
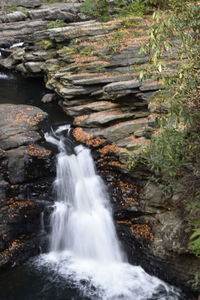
(18, 90)
(28, 282)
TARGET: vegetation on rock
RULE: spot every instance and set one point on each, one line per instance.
(175, 146)
(56, 24)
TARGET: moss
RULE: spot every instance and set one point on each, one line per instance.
(45, 44)
(56, 24)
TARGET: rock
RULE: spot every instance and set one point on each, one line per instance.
(101, 118)
(69, 93)
(17, 55)
(154, 198)
(18, 128)
(90, 107)
(105, 78)
(58, 11)
(123, 85)
(17, 160)
(124, 129)
(131, 143)
(34, 66)
(158, 108)
(48, 98)
(16, 16)
(24, 3)
(150, 85)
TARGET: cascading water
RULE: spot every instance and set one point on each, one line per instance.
(84, 247)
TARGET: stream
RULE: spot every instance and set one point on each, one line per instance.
(85, 260)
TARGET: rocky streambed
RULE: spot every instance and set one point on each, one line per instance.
(94, 69)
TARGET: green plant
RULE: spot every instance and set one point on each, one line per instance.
(68, 50)
(56, 24)
(195, 241)
(87, 51)
(98, 9)
(45, 44)
(167, 154)
(175, 31)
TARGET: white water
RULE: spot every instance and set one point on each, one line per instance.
(16, 45)
(84, 247)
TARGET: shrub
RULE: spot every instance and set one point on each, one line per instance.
(98, 9)
(56, 24)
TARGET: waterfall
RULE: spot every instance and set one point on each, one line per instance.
(84, 247)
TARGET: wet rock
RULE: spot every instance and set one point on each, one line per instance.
(34, 67)
(23, 162)
(48, 98)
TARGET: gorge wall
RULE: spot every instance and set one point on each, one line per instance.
(94, 70)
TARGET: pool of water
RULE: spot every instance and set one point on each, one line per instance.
(28, 283)
(16, 89)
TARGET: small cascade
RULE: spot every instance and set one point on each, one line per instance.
(17, 45)
(84, 248)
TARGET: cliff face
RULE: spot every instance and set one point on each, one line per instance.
(94, 68)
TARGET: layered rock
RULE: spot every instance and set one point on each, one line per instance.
(25, 181)
(26, 23)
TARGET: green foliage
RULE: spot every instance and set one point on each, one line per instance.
(167, 154)
(45, 44)
(56, 24)
(139, 7)
(98, 9)
(195, 242)
(68, 50)
(176, 31)
(87, 51)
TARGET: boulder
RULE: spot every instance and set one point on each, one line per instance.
(122, 85)
(48, 98)
(24, 3)
(16, 16)
(34, 66)
(124, 129)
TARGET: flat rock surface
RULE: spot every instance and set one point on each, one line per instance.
(19, 125)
